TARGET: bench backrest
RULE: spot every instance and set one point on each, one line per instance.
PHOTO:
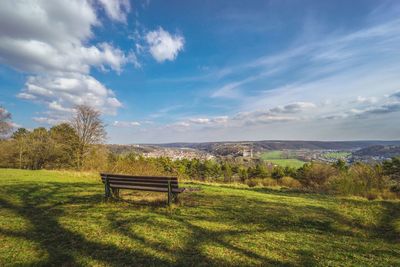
(148, 183)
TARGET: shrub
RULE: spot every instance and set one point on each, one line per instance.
(137, 165)
(392, 168)
(96, 158)
(395, 187)
(278, 172)
(360, 180)
(314, 175)
(254, 182)
(269, 182)
(371, 195)
(290, 182)
(389, 195)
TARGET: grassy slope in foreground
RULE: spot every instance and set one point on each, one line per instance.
(51, 217)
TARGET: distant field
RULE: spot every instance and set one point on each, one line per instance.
(276, 154)
(337, 155)
(59, 218)
(279, 158)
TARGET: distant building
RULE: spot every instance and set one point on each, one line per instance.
(247, 152)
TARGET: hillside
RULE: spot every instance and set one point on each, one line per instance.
(282, 144)
(378, 151)
(54, 218)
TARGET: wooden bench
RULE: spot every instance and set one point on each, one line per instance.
(114, 182)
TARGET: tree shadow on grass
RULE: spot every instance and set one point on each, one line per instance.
(43, 204)
(387, 225)
(61, 244)
(385, 229)
(233, 210)
(192, 254)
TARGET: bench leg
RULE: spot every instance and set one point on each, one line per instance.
(175, 197)
(115, 192)
(107, 192)
(172, 198)
(169, 193)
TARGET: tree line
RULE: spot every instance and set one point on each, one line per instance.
(78, 144)
(63, 146)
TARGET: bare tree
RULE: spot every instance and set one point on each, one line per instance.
(5, 122)
(89, 128)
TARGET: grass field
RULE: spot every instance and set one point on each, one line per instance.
(277, 157)
(54, 218)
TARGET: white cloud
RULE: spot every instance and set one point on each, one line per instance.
(164, 46)
(61, 93)
(395, 95)
(366, 100)
(290, 112)
(126, 124)
(200, 120)
(57, 107)
(54, 22)
(15, 125)
(50, 42)
(228, 90)
(293, 107)
(385, 106)
(220, 119)
(231, 90)
(49, 120)
(116, 9)
(178, 125)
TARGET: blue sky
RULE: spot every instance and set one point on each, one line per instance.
(171, 71)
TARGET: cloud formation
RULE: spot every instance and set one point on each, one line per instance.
(60, 93)
(289, 112)
(116, 9)
(164, 46)
(126, 124)
(50, 42)
(386, 105)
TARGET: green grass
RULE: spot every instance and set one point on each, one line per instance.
(54, 218)
(337, 155)
(277, 157)
(275, 154)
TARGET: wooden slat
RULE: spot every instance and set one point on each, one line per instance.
(139, 180)
(139, 177)
(145, 188)
(142, 184)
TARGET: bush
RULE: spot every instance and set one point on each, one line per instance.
(269, 182)
(278, 172)
(290, 182)
(96, 158)
(314, 175)
(360, 180)
(395, 187)
(137, 165)
(389, 195)
(254, 182)
(392, 168)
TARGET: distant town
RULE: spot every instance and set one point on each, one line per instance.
(291, 153)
